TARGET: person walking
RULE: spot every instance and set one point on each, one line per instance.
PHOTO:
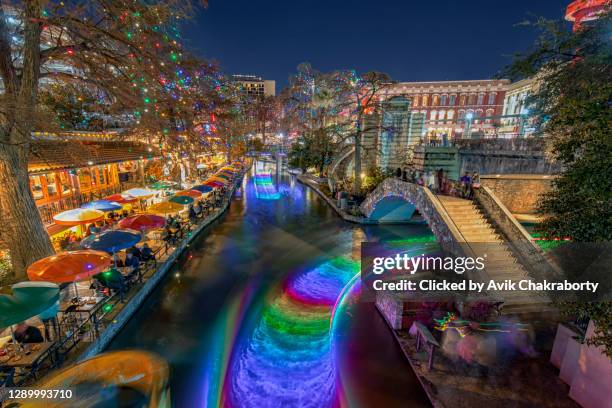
(431, 180)
(439, 178)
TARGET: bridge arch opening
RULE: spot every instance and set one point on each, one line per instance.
(392, 208)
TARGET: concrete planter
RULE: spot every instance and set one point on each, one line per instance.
(585, 368)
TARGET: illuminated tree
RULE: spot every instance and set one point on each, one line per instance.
(338, 107)
(129, 52)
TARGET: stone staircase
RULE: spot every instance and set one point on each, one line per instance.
(500, 263)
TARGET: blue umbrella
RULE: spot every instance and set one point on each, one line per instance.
(111, 241)
(203, 188)
(102, 205)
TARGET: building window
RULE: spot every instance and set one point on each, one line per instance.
(480, 100)
(442, 115)
(443, 100)
(435, 100)
(452, 99)
(463, 100)
(425, 100)
(36, 187)
(489, 113)
(491, 100)
(432, 115)
(65, 184)
(450, 114)
(415, 101)
(461, 114)
(85, 178)
(51, 186)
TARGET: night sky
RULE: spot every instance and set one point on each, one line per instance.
(410, 40)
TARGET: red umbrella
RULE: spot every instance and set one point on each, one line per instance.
(143, 222)
(214, 184)
(121, 198)
(69, 266)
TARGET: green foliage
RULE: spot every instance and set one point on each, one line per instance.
(312, 150)
(601, 314)
(572, 106)
(373, 177)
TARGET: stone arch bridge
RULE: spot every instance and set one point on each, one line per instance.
(483, 227)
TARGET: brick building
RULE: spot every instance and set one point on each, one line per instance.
(454, 108)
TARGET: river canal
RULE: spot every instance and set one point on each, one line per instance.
(261, 311)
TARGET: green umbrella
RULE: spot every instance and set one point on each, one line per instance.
(25, 300)
(181, 199)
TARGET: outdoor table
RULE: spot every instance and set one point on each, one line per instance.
(29, 360)
(81, 307)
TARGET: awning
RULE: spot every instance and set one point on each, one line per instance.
(46, 155)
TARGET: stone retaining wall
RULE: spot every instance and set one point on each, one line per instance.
(519, 192)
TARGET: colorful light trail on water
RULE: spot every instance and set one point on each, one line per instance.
(264, 187)
(287, 361)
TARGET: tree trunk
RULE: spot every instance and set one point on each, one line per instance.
(357, 165)
(22, 227)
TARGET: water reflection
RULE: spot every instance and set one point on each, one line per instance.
(248, 321)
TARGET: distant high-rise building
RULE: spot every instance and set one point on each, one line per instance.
(255, 86)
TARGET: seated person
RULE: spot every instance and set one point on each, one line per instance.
(28, 334)
(136, 252)
(134, 262)
(146, 253)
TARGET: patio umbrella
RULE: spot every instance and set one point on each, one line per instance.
(141, 372)
(222, 175)
(121, 198)
(219, 179)
(140, 193)
(182, 199)
(102, 205)
(25, 300)
(165, 207)
(78, 216)
(111, 241)
(213, 184)
(69, 266)
(142, 222)
(227, 172)
(202, 188)
(163, 185)
(189, 193)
